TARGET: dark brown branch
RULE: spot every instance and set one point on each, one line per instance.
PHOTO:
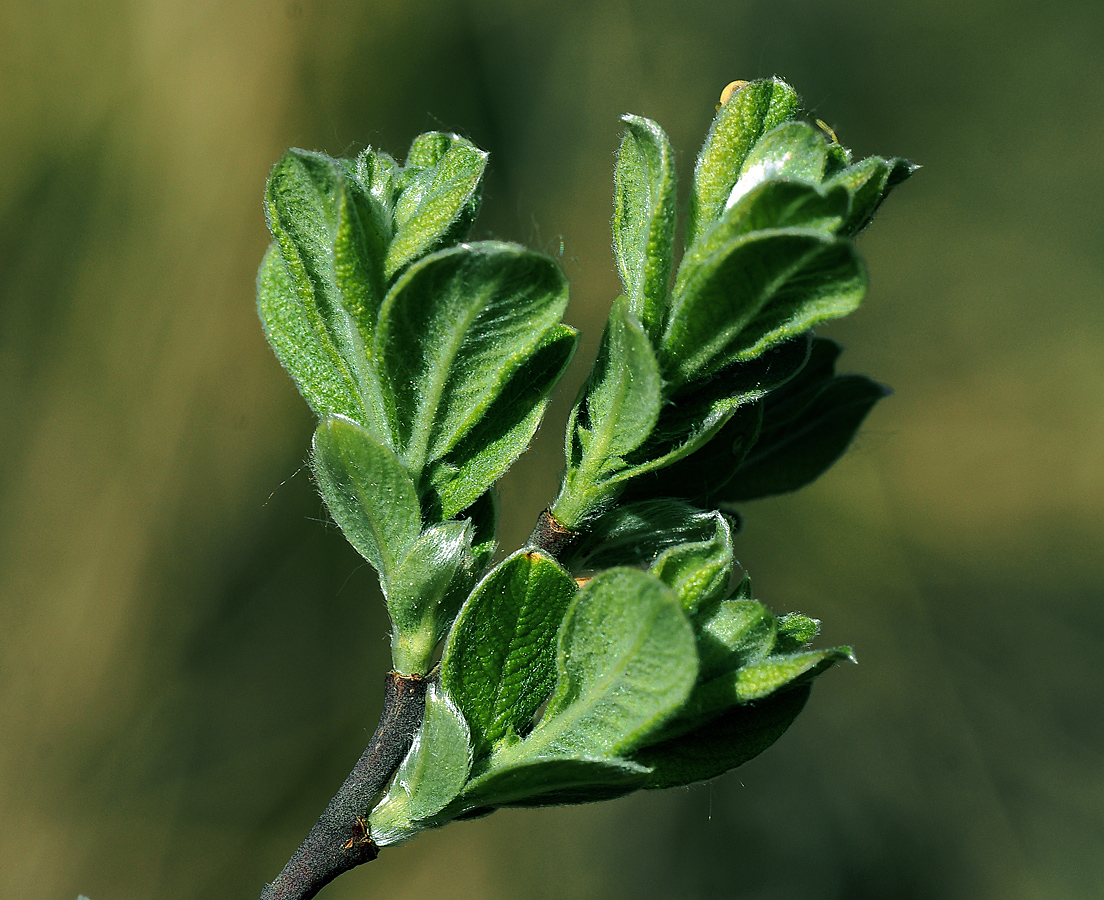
(552, 538)
(339, 840)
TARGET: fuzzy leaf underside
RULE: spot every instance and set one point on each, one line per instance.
(368, 492)
(554, 780)
(723, 744)
(788, 459)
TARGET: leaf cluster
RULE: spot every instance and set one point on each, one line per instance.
(428, 361)
(630, 654)
(691, 353)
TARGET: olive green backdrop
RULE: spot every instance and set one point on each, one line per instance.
(191, 657)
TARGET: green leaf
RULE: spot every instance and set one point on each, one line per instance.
(633, 534)
(701, 410)
(360, 242)
(484, 518)
(368, 492)
(733, 633)
(431, 775)
(728, 741)
(772, 205)
(377, 173)
(644, 219)
(869, 183)
(453, 331)
(554, 780)
(615, 415)
(499, 663)
(795, 632)
(425, 593)
(739, 124)
(700, 571)
(623, 396)
(758, 680)
(502, 434)
(754, 292)
(753, 682)
(792, 452)
(301, 344)
(626, 664)
(439, 198)
(792, 151)
(304, 196)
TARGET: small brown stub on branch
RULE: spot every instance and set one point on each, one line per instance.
(551, 538)
(360, 835)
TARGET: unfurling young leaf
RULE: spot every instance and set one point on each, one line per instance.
(432, 774)
(754, 110)
(439, 197)
(768, 257)
(616, 413)
(644, 219)
(368, 491)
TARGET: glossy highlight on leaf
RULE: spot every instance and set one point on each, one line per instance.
(432, 774)
(794, 151)
(752, 111)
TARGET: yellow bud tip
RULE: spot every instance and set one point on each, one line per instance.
(730, 89)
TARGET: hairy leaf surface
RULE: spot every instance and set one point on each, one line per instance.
(368, 492)
(626, 663)
(453, 331)
(644, 219)
(439, 198)
(499, 664)
(739, 124)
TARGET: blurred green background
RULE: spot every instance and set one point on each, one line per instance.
(191, 658)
